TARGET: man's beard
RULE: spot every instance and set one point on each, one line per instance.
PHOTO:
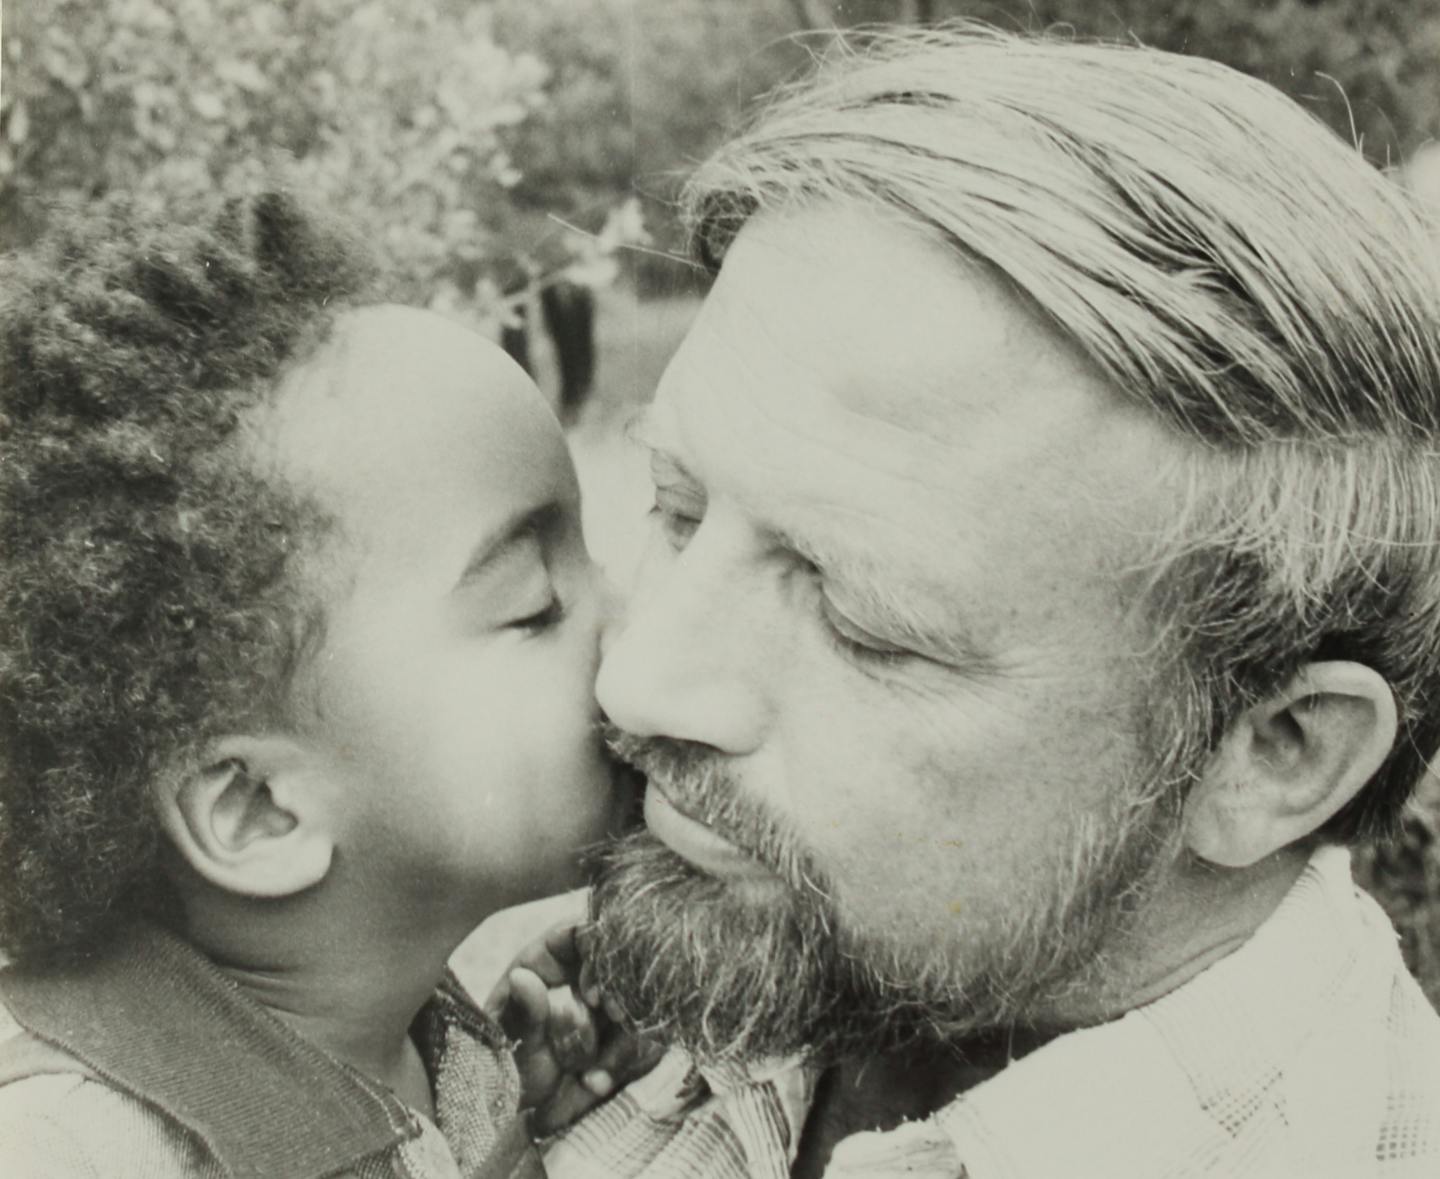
(735, 973)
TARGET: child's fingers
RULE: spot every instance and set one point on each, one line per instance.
(621, 1061)
(583, 939)
(586, 1078)
(498, 999)
(526, 1010)
(571, 1031)
(598, 1083)
(554, 956)
(612, 1009)
(562, 942)
(623, 1057)
(539, 958)
(569, 1102)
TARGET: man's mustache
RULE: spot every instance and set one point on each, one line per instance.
(694, 778)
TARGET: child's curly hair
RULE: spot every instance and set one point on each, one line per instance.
(148, 596)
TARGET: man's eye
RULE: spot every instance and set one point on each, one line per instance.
(678, 526)
(550, 614)
(858, 644)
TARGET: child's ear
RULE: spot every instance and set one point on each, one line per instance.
(1288, 764)
(254, 819)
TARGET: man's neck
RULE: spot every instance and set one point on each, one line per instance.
(1199, 916)
(880, 1092)
(1221, 910)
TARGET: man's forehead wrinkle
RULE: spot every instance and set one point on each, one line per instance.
(789, 418)
(745, 322)
(922, 385)
(914, 417)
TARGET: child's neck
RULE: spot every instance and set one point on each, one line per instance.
(355, 1005)
(355, 995)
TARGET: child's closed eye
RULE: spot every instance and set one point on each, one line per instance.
(547, 616)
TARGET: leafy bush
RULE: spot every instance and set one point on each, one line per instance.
(394, 114)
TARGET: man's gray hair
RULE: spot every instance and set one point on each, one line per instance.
(1227, 262)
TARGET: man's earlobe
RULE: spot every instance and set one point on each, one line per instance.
(249, 821)
(1289, 763)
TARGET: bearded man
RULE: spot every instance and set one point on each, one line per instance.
(1044, 593)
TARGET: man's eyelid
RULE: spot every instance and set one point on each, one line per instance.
(680, 498)
(677, 493)
(869, 611)
(844, 621)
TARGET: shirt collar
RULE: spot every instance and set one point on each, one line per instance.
(1196, 1061)
(157, 1019)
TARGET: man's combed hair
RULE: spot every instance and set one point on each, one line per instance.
(148, 600)
(1226, 262)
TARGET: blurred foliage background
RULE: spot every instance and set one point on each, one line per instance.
(487, 147)
(458, 130)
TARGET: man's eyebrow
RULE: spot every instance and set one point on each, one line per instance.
(642, 430)
(638, 425)
(525, 522)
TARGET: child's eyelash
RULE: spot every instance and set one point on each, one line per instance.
(552, 613)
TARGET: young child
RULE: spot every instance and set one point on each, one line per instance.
(297, 640)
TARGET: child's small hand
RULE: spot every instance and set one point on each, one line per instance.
(571, 1052)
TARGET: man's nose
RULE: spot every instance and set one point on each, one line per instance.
(686, 661)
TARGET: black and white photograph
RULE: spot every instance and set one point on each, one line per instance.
(720, 589)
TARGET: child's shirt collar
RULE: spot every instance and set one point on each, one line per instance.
(154, 1018)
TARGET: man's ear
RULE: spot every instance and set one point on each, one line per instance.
(253, 819)
(1288, 764)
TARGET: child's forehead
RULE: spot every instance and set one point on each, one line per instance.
(402, 410)
(386, 356)
(393, 378)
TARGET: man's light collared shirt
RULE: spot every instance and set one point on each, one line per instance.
(1309, 1052)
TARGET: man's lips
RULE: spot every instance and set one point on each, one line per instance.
(698, 843)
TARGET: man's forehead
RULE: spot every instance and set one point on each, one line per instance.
(891, 321)
(799, 371)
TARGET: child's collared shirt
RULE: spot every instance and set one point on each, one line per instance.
(148, 1061)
